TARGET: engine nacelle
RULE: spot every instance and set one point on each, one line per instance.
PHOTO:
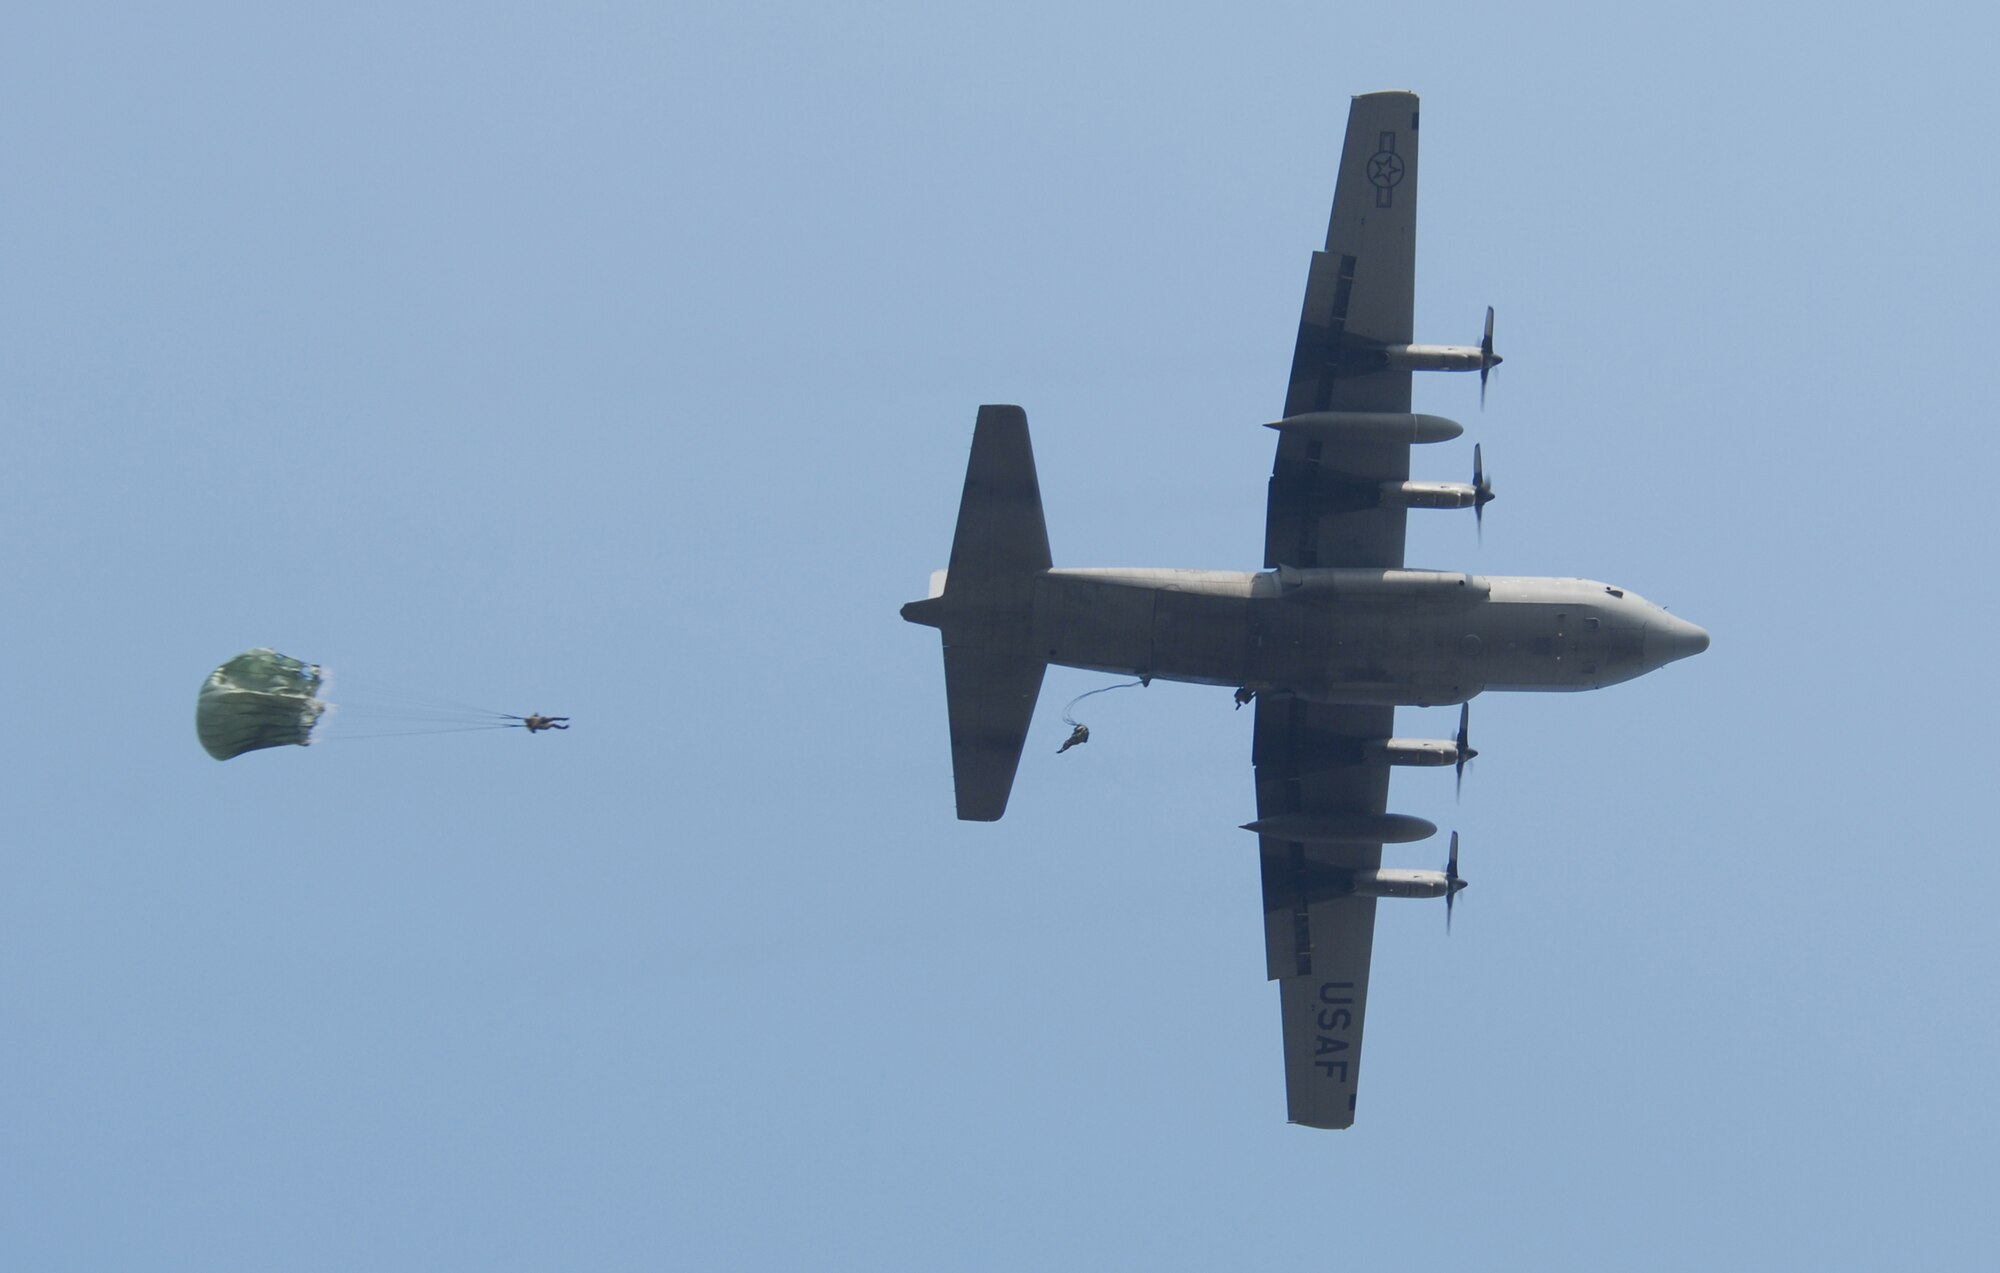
(1436, 357)
(1399, 883)
(1428, 495)
(1409, 751)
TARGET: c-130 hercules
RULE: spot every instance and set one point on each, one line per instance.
(1330, 637)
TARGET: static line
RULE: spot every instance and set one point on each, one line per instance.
(1071, 720)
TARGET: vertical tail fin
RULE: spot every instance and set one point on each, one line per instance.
(985, 612)
(1000, 526)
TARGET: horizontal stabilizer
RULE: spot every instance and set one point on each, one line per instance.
(991, 698)
(983, 606)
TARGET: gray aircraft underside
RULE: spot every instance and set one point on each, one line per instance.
(1347, 635)
(1327, 640)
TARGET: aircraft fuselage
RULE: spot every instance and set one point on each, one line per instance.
(1416, 637)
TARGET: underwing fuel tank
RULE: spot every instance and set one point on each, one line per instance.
(1344, 828)
(1370, 426)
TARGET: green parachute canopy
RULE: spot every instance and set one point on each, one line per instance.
(260, 698)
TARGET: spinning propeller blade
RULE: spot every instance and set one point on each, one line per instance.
(1465, 751)
(1488, 360)
(1451, 882)
(1482, 492)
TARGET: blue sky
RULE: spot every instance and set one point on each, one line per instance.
(621, 360)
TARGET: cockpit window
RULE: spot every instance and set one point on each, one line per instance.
(1616, 592)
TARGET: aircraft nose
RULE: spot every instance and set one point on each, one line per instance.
(1669, 638)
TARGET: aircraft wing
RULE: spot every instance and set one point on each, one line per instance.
(1317, 938)
(1360, 293)
(1324, 510)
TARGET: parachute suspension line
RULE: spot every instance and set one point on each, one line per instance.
(408, 733)
(381, 697)
(366, 711)
(376, 709)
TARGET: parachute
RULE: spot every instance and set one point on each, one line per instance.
(262, 698)
(258, 699)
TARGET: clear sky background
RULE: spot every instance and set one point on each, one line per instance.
(621, 360)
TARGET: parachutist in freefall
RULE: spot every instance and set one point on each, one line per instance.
(1081, 734)
(537, 723)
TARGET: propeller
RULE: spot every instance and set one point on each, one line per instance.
(1452, 882)
(1465, 751)
(1488, 360)
(1482, 492)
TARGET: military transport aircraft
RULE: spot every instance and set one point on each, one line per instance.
(1328, 638)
